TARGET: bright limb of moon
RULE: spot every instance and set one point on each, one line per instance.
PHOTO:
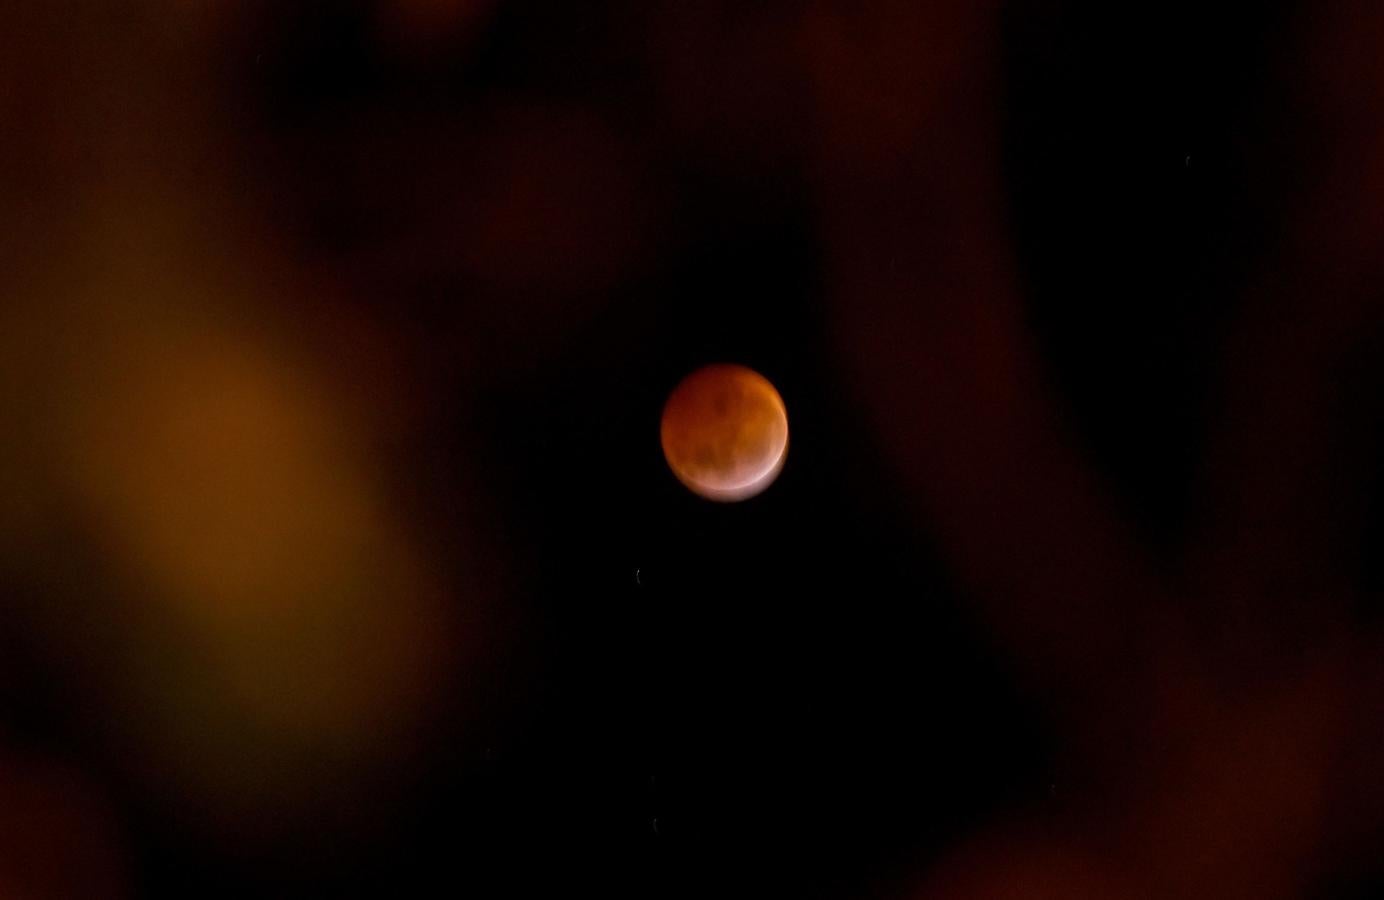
(725, 432)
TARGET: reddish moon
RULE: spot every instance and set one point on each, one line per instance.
(725, 432)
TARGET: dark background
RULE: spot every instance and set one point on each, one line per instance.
(1066, 589)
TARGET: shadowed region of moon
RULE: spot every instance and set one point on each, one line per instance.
(725, 432)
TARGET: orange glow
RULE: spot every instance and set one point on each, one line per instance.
(725, 432)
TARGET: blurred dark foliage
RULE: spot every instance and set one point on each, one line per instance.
(338, 558)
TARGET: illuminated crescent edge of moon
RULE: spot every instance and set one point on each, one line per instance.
(745, 489)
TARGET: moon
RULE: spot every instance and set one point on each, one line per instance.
(725, 432)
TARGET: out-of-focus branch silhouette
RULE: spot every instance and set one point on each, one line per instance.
(212, 382)
(1223, 693)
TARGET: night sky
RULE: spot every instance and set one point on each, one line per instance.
(339, 556)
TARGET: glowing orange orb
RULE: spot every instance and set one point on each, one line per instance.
(725, 432)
